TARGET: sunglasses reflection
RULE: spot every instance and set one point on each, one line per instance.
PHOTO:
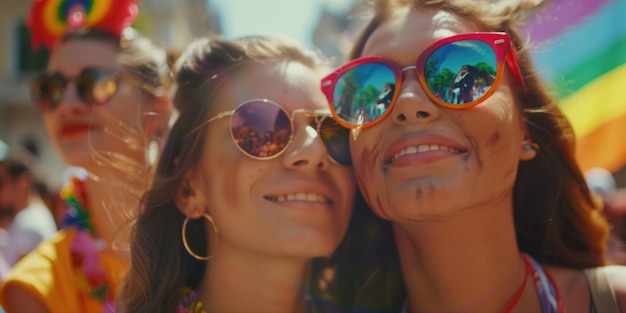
(262, 129)
(262, 145)
(456, 73)
(367, 105)
(469, 84)
(93, 86)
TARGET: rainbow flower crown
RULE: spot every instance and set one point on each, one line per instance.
(50, 20)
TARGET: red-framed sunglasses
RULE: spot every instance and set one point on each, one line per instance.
(262, 130)
(457, 72)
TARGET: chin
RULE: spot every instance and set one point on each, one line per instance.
(413, 208)
(321, 246)
(79, 158)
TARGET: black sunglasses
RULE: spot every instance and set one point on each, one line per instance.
(93, 86)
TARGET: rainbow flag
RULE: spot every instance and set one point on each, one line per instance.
(580, 48)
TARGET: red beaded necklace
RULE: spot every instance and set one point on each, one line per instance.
(518, 294)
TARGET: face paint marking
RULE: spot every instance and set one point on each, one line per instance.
(476, 151)
(494, 139)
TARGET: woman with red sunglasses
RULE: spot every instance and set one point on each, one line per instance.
(253, 193)
(473, 164)
(104, 103)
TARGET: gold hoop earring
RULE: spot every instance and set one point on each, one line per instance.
(186, 245)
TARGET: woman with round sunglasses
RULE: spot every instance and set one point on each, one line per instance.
(104, 102)
(473, 163)
(254, 190)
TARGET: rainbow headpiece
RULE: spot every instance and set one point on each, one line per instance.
(50, 20)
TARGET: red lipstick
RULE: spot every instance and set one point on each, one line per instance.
(73, 129)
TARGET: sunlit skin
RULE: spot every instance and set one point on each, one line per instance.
(264, 246)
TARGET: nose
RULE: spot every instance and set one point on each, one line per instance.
(413, 105)
(70, 102)
(306, 151)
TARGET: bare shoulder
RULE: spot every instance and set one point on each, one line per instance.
(20, 300)
(616, 274)
(572, 287)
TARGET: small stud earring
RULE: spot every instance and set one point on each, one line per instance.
(528, 147)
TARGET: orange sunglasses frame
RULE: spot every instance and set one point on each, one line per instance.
(500, 42)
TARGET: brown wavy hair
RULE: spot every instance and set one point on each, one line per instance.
(161, 266)
(557, 220)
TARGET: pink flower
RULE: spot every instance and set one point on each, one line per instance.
(92, 269)
(84, 252)
(83, 244)
(108, 307)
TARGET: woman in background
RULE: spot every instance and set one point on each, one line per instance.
(104, 101)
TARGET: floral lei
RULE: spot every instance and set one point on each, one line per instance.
(87, 262)
(189, 302)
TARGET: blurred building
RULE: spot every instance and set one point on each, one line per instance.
(174, 23)
(20, 122)
(171, 23)
(336, 31)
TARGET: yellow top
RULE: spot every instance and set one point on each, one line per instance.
(47, 273)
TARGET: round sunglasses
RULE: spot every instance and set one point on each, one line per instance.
(94, 86)
(457, 72)
(262, 129)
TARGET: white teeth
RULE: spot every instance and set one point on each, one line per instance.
(410, 150)
(300, 196)
(423, 148)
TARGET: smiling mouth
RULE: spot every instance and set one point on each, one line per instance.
(300, 196)
(423, 149)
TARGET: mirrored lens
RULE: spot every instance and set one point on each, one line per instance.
(95, 86)
(47, 91)
(461, 72)
(261, 129)
(335, 138)
(363, 93)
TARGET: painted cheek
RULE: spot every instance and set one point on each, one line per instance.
(493, 139)
(476, 152)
